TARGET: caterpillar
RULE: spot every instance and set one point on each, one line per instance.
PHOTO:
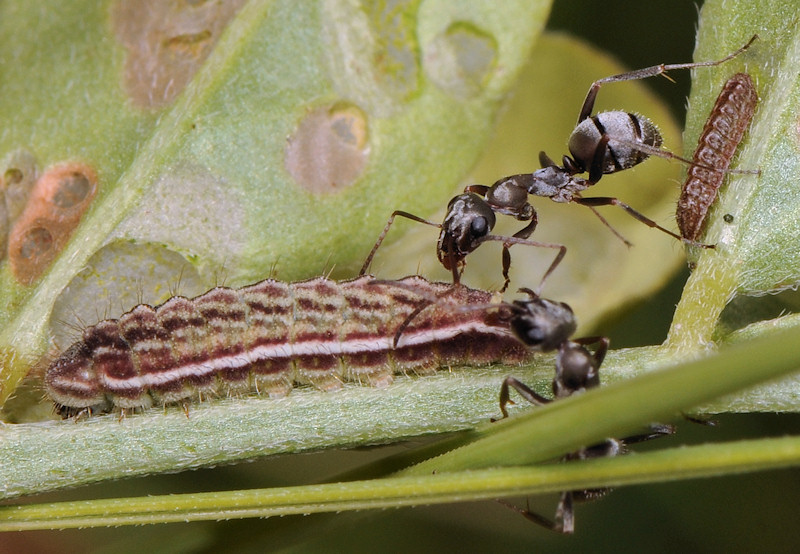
(270, 335)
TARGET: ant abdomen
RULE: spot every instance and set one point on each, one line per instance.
(620, 132)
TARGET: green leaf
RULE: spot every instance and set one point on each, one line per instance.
(292, 140)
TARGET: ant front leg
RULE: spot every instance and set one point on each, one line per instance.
(610, 201)
(602, 348)
(524, 391)
(523, 234)
(661, 69)
(509, 241)
(382, 236)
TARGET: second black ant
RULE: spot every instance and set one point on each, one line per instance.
(546, 326)
(605, 143)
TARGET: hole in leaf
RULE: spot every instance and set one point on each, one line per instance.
(328, 151)
(167, 42)
(461, 60)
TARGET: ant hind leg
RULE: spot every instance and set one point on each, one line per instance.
(610, 201)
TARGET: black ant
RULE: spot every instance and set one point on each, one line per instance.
(545, 325)
(604, 143)
(469, 222)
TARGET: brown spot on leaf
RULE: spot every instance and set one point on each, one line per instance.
(17, 177)
(167, 42)
(56, 205)
(34, 243)
(328, 151)
(73, 188)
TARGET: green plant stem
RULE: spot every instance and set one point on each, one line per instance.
(621, 409)
(707, 292)
(667, 465)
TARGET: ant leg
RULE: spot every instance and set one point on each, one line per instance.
(596, 169)
(406, 322)
(430, 300)
(382, 236)
(700, 420)
(508, 241)
(480, 190)
(657, 430)
(609, 201)
(523, 233)
(602, 349)
(605, 222)
(565, 515)
(506, 267)
(545, 160)
(524, 391)
(533, 516)
(666, 154)
(661, 69)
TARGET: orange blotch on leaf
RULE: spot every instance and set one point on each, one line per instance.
(56, 205)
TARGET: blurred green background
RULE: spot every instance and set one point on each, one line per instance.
(732, 514)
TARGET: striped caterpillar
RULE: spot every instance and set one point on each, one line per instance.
(268, 336)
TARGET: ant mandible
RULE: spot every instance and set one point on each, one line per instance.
(546, 326)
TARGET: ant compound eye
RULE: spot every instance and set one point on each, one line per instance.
(479, 226)
(535, 335)
(529, 331)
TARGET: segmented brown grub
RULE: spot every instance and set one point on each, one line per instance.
(724, 130)
(270, 335)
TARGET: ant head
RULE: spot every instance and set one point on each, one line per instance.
(543, 325)
(468, 221)
(593, 141)
(509, 197)
(576, 370)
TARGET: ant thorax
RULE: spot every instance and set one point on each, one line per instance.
(576, 371)
(508, 198)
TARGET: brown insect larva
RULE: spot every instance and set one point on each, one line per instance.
(724, 130)
(270, 335)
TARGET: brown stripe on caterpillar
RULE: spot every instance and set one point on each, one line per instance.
(270, 335)
(722, 133)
